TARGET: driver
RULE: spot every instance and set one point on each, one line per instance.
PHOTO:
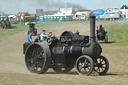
(101, 27)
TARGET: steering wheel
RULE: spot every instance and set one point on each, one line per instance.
(49, 40)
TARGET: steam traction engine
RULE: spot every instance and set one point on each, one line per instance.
(102, 35)
(65, 53)
(32, 28)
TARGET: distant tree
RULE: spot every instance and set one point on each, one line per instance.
(126, 7)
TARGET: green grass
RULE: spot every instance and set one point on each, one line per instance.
(118, 33)
(9, 31)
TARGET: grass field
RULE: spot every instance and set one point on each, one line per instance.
(14, 72)
(119, 34)
(15, 28)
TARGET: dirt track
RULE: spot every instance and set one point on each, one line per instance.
(11, 56)
(12, 60)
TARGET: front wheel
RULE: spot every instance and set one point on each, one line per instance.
(101, 65)
(84, 65)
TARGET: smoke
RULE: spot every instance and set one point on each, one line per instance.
(32, 5)
(57, 4)
(74, 6)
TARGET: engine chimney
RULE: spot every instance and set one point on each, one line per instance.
(92, 29)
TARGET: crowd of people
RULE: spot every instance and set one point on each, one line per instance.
(41, 37)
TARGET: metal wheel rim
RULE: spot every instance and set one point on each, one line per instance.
(84, 65)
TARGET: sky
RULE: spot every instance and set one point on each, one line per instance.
(15, 6)
(99, 4)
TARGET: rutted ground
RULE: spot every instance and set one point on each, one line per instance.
(14, 72)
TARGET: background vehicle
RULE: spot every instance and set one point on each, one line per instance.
(102, 35)
(32, 28)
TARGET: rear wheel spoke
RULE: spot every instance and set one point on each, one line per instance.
(33, 66)
(41, 53)
(31, 53)
(41, 65)
(36, 67)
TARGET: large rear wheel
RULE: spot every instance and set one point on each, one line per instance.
(38, 58)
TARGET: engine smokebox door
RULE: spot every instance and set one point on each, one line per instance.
(59, 55)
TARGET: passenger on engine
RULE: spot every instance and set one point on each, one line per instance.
(50, 34)
(37, 38)
(29, 38)
(43, 36)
